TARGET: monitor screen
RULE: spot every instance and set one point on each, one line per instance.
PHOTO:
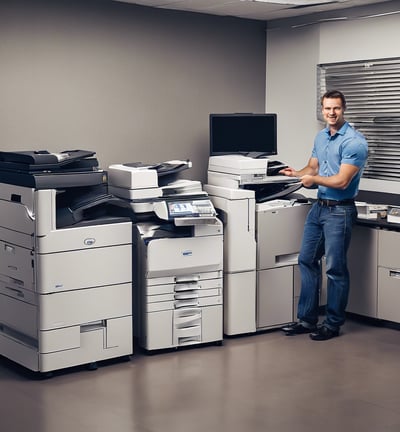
(248, 134)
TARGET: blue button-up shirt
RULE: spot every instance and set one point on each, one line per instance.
(347, 146)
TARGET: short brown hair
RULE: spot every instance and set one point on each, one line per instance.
(334, 94)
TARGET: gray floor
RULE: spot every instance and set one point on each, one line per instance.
(264, 382)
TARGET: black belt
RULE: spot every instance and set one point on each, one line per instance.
(330, 203)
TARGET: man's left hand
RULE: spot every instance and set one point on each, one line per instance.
(307, 180)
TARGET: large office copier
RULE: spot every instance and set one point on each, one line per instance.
(263, 224)
(65, 263)
(178, 255)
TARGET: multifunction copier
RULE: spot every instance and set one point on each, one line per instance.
(65, 263)
(178, 255)
(263, 222)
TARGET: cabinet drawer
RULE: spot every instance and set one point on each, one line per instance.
(389, 247)
(279, 246)
(363, 267)
(274, 297)
(389, 294)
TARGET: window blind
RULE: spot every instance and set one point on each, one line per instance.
(372, 91)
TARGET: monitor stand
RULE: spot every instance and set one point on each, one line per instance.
(256, 155)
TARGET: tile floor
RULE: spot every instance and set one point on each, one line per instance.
(266, 382)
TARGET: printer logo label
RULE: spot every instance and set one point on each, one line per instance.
(187, 253)
(89, 241)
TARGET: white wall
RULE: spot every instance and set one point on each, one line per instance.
(360, 39)
(292, 56)
(290, 90)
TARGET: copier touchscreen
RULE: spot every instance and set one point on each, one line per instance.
(180, 208)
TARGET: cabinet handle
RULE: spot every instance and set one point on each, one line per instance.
(394, 274)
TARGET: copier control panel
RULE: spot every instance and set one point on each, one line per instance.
(186, 210)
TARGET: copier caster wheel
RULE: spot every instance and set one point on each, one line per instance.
(92, 366)
(43, 375)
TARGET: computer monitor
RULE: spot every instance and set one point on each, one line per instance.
(247, 134)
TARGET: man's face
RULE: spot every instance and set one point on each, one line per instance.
(333, 111)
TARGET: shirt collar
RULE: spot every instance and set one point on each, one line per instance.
(341, 131)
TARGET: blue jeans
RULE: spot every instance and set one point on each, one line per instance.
(327, 230)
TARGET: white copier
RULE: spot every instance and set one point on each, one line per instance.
(178, 255)
(65, 284)
(263, 224)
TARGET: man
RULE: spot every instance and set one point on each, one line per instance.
(335, 167)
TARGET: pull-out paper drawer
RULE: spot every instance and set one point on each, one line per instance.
(155, 286)
(187, 336)
(181, 256)
(84, 268)
(187, 326)
(196, 276)
(72, 346)
(86, 344)
(77, 307)
(85, 237)
(71, 337)
(184, 300)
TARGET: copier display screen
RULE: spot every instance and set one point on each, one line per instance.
(180, 208)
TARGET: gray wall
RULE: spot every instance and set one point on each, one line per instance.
(129, 82)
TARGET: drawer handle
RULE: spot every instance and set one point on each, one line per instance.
(189, 278)
(186, 287)
(186, 296)
(394, 274)
(95, 325)
(8, 248)
(16, 292)
(185, 303)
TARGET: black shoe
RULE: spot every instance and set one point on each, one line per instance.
(324, 333)
(296, 329)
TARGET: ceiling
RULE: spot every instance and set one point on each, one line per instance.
(265, 10)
